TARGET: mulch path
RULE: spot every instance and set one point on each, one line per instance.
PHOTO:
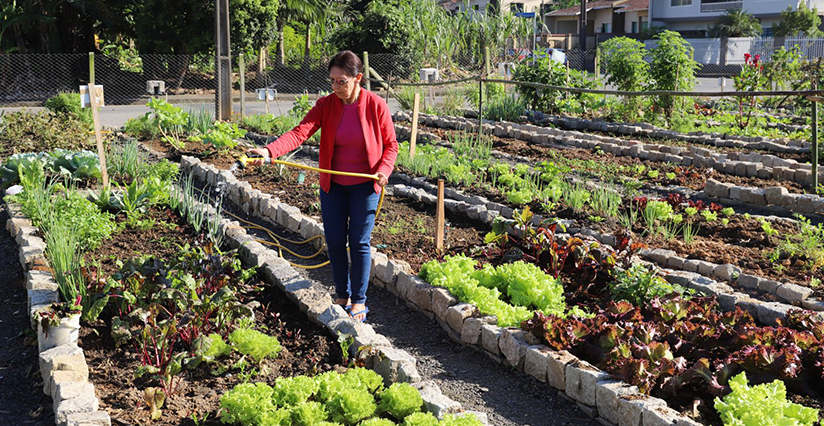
(22, 401)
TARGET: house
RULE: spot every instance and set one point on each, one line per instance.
(693, 17)
(605, 19)
(513, 6)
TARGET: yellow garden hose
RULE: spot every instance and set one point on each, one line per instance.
(245, 162)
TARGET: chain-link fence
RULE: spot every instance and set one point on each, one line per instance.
(31, 79)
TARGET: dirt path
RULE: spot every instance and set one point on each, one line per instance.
(507, 396)
(22, 401)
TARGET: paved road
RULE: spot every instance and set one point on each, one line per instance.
(115, 116)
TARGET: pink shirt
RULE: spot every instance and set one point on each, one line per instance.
(350, 148)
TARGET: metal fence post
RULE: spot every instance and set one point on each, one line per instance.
(91, 68)
(480, 106)
(366, 70)
(241, 62)
(814, 146)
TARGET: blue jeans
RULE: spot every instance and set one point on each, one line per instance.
(348, 213)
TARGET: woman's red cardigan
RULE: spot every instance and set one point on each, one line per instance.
(378, 132)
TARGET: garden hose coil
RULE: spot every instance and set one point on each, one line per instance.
(245, 161)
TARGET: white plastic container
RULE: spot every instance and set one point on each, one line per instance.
(66, 332)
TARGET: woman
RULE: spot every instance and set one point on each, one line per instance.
(357, 136)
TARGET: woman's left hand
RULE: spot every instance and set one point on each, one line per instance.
(382, 179)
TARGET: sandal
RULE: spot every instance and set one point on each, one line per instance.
(364, 312)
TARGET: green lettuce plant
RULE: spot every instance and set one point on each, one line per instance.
(400, 400)
(309, 413)
(350, 406)
(420, 419)
(255, 344)
(250, 404)
(761, 405)
(294, 390)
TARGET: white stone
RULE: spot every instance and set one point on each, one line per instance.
(435, 401)
(631, 409)
(607, 393)
(513, 346)
(535, 362)
(96, 418)
(581, 378)
(793, 292)
(456, 315)
(441, 301)
(556, 365)
(490, 338)
(83, 404)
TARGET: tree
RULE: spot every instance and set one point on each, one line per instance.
(672, 69)
(801, 22)
(253, 26)
(306, 11)
(736, 23)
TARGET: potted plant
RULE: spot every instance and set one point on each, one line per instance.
(59, 324)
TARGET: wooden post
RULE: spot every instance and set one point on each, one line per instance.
(413, 137)
(487, 64)
(91, 69)
(439, 218)
(814, 147)
(104, 174)
(242, 65)
(223, 62)
(366, 70)
(386, 98)
(480, 106)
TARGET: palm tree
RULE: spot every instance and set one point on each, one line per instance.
(307, 11)
(736, 23)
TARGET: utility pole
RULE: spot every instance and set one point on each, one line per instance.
(583, 30)
(223, 62)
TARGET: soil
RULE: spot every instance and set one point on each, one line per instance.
(404, 229)
(507, 396)
(690, 177)
(307, 347)
(22, 401)
(741, 242)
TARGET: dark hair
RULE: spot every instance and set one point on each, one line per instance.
(348, 62)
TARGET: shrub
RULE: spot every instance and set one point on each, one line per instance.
(547, 71)
(623, 59)
(401, 400)
(144, 126)
(23, 131)
(67, 103)
(673, 69)
(639, 284)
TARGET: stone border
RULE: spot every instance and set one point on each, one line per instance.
(715, 139)
(748, 165)
(66, 373)
(790, 293)
(618, 404)
(394, 365)
(592, 389)
(680, 272)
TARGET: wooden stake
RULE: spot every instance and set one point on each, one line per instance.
(413, 137)
(439, 218)
(242, 66)
(366, 70)
(814, 146)
(100, 151)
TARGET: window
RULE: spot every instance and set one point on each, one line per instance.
(634, 28)
(474, 7)
(516, 7)
(605, 27)
(680, 2)
(644, 25)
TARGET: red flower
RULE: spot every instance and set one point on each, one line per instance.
(747, 57)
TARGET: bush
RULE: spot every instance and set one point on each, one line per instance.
(23, 131)
(144, 126)
(67, 103)
(672, 69)
(547, 71)
(623, 60)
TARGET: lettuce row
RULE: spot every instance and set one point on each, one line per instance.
(762, 405)
(525, 285)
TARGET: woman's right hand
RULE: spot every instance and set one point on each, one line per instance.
(260, 156)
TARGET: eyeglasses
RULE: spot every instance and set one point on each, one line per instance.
(339, 81)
